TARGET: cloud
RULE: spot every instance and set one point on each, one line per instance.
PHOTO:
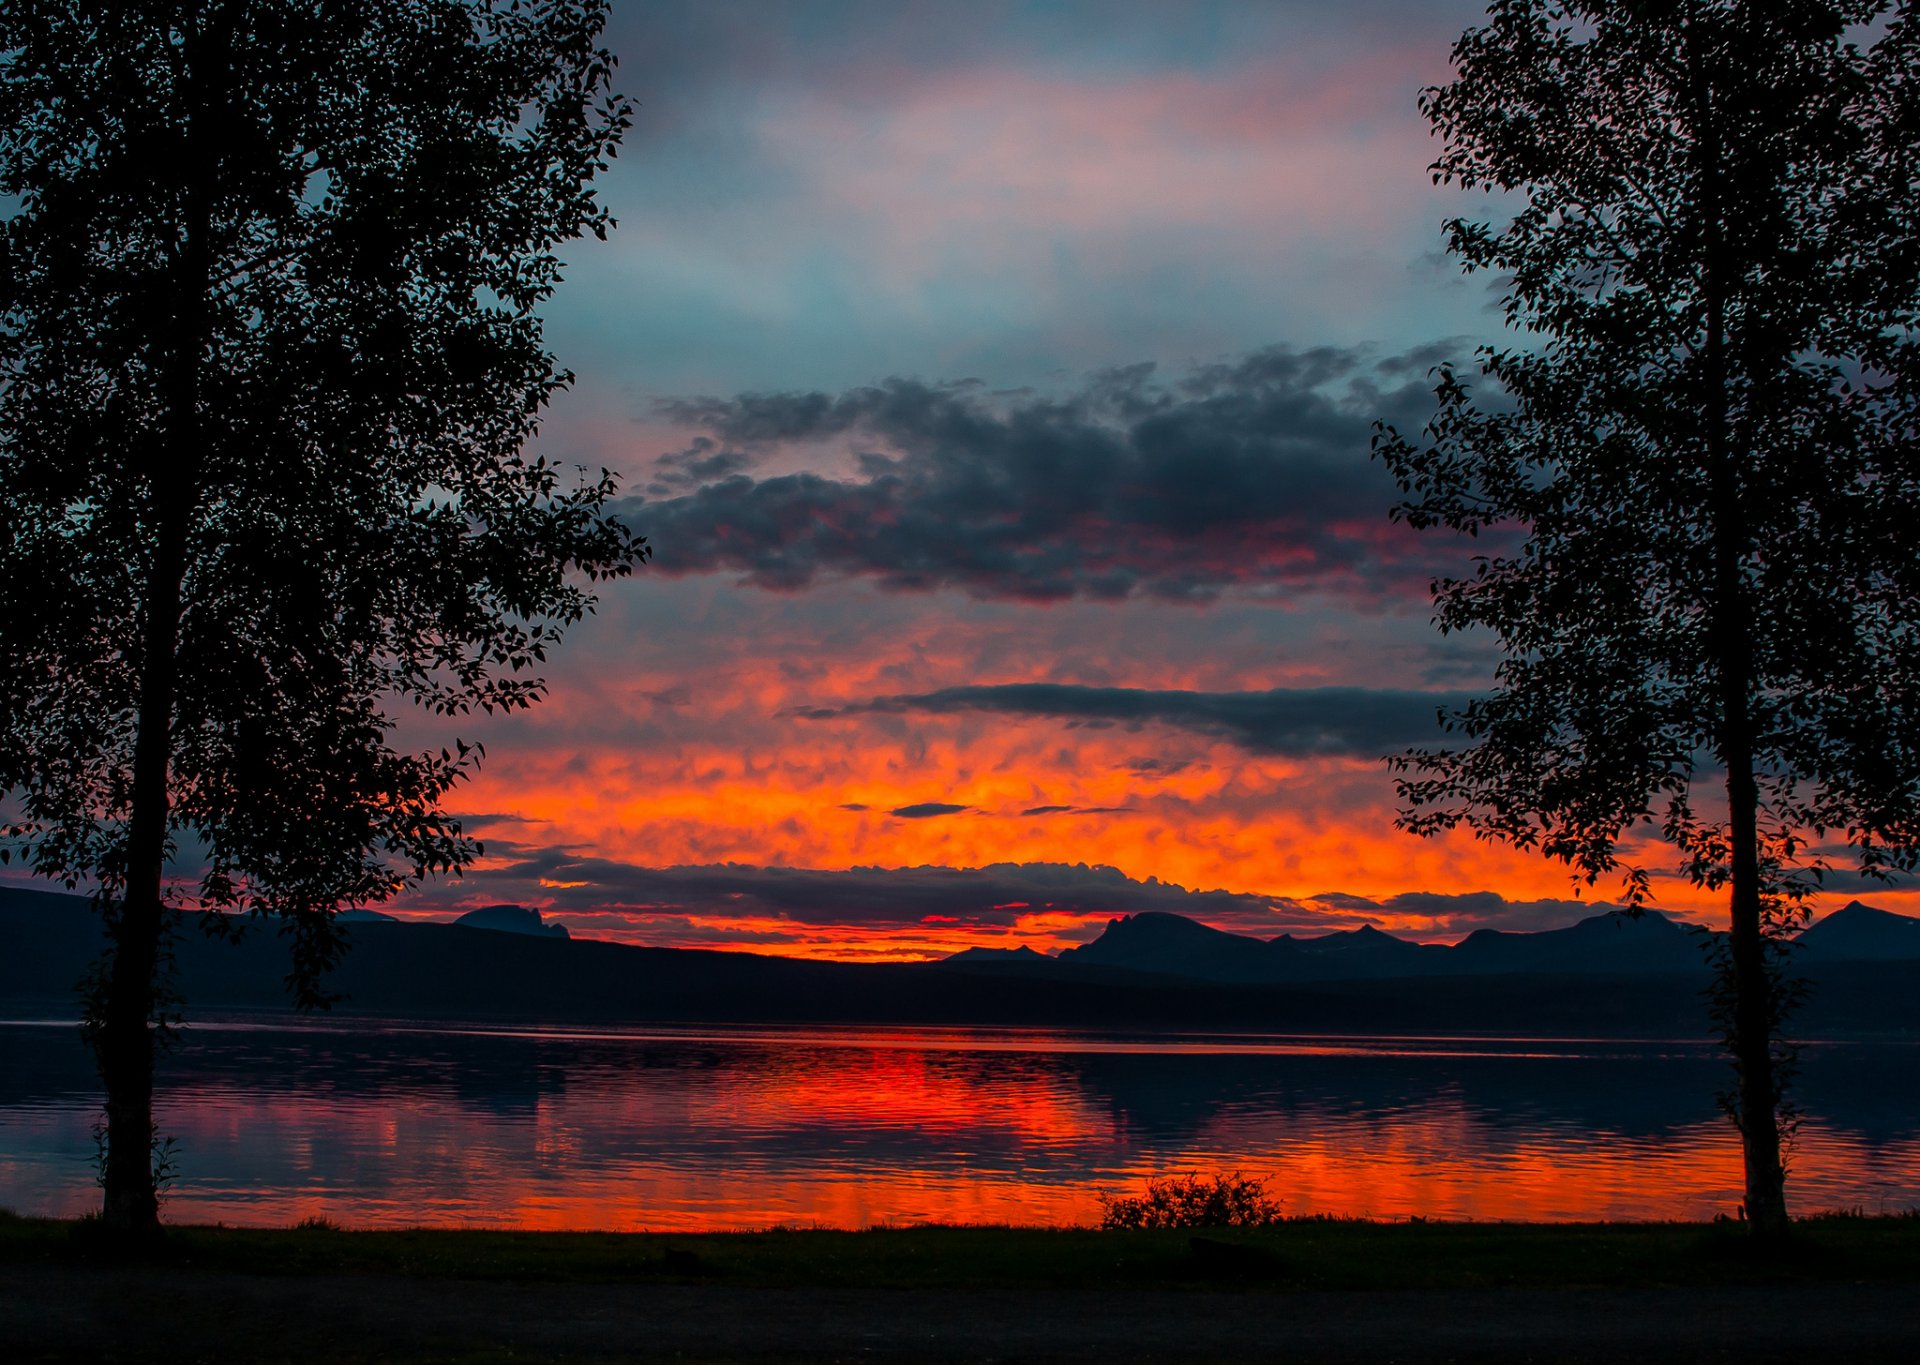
(1307, 722)
(820, 911)
(1037, 811)
(699, 464)
(1465, 911)
(1249, 475)
(926, 810)
(1003, 894)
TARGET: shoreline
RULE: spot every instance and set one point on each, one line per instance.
(1317, 1253)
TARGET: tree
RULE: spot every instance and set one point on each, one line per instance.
(269, 359)
(1698, 471)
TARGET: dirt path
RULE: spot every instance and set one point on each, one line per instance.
(75, 1313)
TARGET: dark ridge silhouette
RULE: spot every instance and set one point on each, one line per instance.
(1177, 946)
(974, 957)
(511, 919)
(457, 972)
(1857, 932)
(1603, 945)
(1365, 951)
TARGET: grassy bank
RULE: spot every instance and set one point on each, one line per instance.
(1306, 1254)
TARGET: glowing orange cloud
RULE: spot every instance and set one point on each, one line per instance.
(694, 742)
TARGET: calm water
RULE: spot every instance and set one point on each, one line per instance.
(382, 1124)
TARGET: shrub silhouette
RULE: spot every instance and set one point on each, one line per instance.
(1193, 1201)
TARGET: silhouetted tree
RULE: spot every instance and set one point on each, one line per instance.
(1699, 474)
(268, 282)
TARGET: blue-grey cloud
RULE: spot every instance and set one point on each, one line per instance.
(1459, 911)
(1298, 722)
(926, 810)
(578, 887)
(1039, 811)
(1250, 475)
(571, 883)
(701, 463)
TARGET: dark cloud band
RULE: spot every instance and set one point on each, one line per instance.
(868, 897)
(1252, 475)
(1297, 722)
(769, 906)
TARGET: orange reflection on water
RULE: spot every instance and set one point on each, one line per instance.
(1442, 1167)
(850, 1128)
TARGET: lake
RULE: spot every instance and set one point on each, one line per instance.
(393, 1123)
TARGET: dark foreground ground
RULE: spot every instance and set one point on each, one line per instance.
(188, 1315)
(1446, 1293)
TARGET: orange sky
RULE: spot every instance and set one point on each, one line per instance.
(717, 762)
(943, 351)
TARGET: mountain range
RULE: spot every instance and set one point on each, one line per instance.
(1607, 976)
(1610, 944)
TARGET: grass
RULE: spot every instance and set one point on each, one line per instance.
(1296, 1254)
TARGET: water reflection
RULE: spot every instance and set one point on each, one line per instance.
(375, 1123)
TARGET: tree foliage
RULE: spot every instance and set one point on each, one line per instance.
(1696, 467)
(269, 362)
(1193, 1201)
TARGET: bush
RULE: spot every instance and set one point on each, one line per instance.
(1193, 1201)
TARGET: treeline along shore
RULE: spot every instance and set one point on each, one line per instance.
(454, 971)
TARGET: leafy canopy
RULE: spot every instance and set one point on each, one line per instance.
(269, 272)
(1712, 269)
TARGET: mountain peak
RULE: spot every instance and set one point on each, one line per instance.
(1023, 953)
(1861, 910)
(1863, 932)
(1647, 923)
(512, 919)
(1160, 924)
(1155, 941)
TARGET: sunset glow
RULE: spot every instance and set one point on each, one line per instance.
(942, 361)
(1098, 680)
(968, 357)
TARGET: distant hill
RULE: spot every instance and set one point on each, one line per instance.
(512, 919)
(973, 957)
(1174, 945)
(1604, 945)
(1862, 933)
(1364, 952)
(458, 971)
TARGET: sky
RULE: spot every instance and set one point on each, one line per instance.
(993, 383)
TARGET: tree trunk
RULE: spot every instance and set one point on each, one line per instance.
(124, 1044)
(1750, 1031)
(1757, 1106)
(124, 1040)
